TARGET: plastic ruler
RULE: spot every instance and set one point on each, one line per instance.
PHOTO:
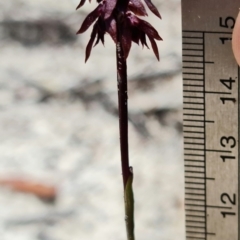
(211, 120)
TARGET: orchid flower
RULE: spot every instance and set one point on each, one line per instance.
(133, 29)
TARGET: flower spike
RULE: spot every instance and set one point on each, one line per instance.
(132, 28)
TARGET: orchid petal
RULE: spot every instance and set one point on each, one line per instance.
(137, 7)
(109, 6)
(81, 4)
(133, 20)
(90, 19)
(126, 40)
(148, 29)
(136, 35)
(100, 37)
(152, 7)
(90, 43)
(111, 28)
(143, 40)
(100, 31)
(154, 47)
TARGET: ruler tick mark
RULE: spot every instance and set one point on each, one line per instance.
(194, 205)
(193, 126)
(197, 183)
(195, 216)
(194, 166)
(195, 199)
(191, 226)
(193, 80)
(210, 206)
(216, 32)
(194, 120)
(201, 44)
(192, 37)
(192, 132)
(198, 138)
(187, 171)
(195, 221)
(217, 150)
(192, 114)
(192, 85)
(192, 55)
(195, 237)
(198, 189)
(197, 109)
(192, 49)
(192, 143)
(195, 194)
(195, 232)
(212, 92)
(209, 121)
(193, 160)
(188, 61)
(193, 91)
(192, 73)
(194, 149)
(194, 154)
(194, 210)
(208, 233)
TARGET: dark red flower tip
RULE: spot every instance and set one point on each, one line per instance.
(152, 7)
(90, 43)
(80, 4)
(90, 19)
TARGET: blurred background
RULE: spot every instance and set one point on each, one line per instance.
(60, 172)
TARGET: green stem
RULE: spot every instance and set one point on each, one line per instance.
(129, 207)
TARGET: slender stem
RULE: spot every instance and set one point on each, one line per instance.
(127, 171)
(122, 106)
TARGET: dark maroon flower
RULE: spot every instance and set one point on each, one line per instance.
(132, 28)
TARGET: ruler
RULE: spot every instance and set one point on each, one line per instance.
(211, 120)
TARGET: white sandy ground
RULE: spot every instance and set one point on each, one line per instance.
(74, 143)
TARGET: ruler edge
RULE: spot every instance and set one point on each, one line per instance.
(238, 141)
